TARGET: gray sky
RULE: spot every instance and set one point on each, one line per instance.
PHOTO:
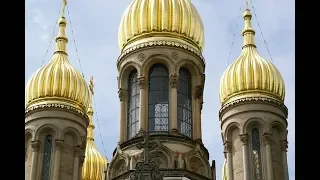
(95, 25)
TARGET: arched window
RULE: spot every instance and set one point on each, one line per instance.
(256, 154)
(133, 104)
(46, 162)
(184, 103)
(158, 98)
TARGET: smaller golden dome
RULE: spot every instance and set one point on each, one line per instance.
(251, 75)
(161, 20)
(58, 82)
(94, 163)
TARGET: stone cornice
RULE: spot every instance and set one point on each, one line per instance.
(253, 99)
(160, 43)
(51, 105)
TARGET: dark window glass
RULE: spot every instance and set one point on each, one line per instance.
(184, 103)
(133, 104)
(158, 104)
(45, 174)
(256, 154)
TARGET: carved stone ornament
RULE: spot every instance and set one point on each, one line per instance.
(142, 82)
(173, 81)
(122, 94)
(227, 147)
(175, 56)
(284, 145)
(59, 145)
(141, 57)
(35, 145)
(62, 106)
(77, 151)
(198, 92)
(267, 138)
(146, 171)
(244, 139)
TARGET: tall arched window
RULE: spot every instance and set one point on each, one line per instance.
(256, 154)
(133, 104)
(184, 103)
(46, 162)
(158, 98)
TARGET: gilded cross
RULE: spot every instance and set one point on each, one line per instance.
(64, 4)
(146, 145)
(91, 85)
(247, 6)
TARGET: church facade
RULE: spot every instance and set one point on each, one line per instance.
(161, 80)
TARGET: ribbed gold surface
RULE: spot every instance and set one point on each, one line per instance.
(251, 75)
(172, 20)
(58, 82)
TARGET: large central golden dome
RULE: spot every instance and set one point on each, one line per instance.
(251, 75)
(161, 20)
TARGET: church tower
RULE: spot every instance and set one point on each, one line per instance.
(253, 115)
(160, 80)
(56, 120)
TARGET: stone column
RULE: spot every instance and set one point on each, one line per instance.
(267, 142)
(228, 151)
(76, 166)
(143, 105)
(123, 114)
(35, 157)
(245, 153)
(197, 95)
(56, 170)
(173, 105)
(284, 147)
(81, 160)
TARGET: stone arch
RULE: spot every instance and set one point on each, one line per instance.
(75, 134)
(47, 129)
(254, 122)
(197, 165)
(193, 68)
(281, 128)
(157, 58)
(167, 152)
(162, 159)
(118, 167)
(125, 72)
(230, 127)
(28, 133)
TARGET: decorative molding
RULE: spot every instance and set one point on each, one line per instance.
(141, 57)
(197, 92)
(35, 145)
(51, 105)
(122, 94)
(142, 82)
(284, 145)
(173, 81)
(175, 56)
(267, 138)
(248, 99)
(227, 146)
(244, 139)
(160, 43)
(59, 144)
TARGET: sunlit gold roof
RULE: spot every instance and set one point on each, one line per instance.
(58, 82)
(161, 20)
(251, 75)
(94, 163)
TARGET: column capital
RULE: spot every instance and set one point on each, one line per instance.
(173, 81)
(284, 145)
(122, 94)
(244, 139)
(227, 146)
(81, 159)
(267, 138)
(59, 144)
(197, 91)
(142, 82)
(77, 151)
(35, 145)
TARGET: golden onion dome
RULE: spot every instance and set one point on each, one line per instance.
(161, 20)
(251, 75)
(58, 82)
(94, 163)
